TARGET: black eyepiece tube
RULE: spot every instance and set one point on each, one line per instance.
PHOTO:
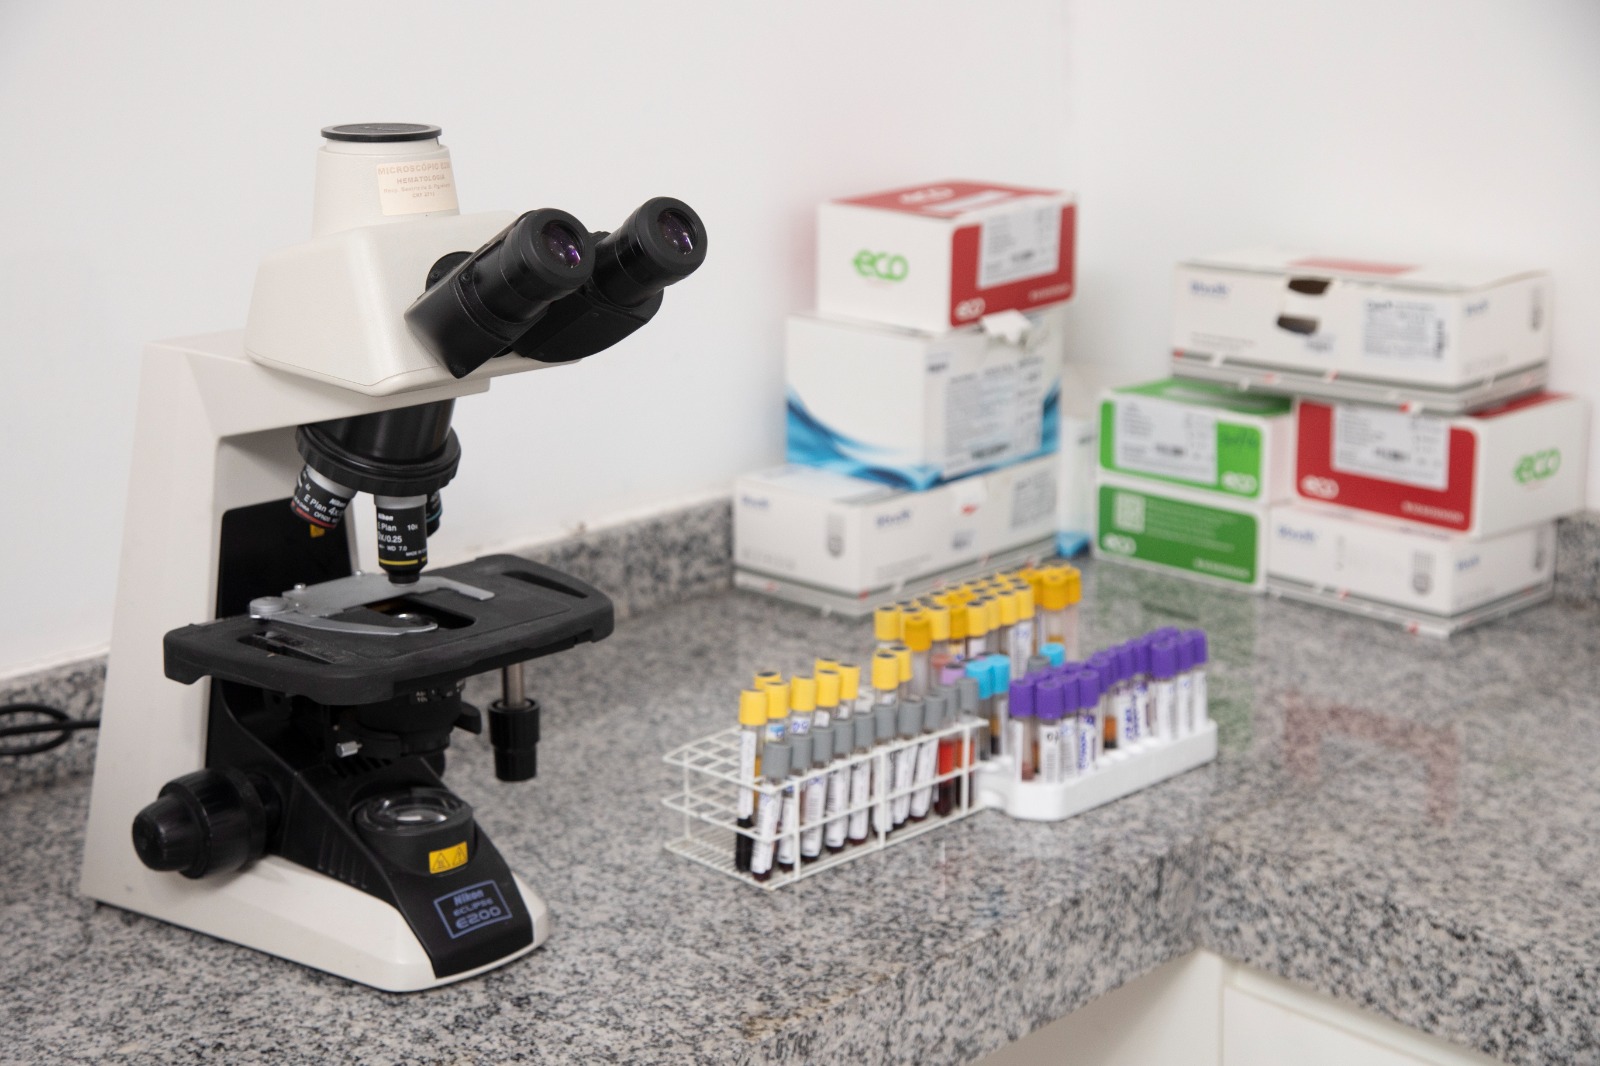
(487, 300)
(662, 242)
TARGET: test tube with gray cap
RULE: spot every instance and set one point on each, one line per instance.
(814, 795)
(934, 710)
(775, 768)
(864, 726)
(905, 763)
(883, 765)
(837, 824)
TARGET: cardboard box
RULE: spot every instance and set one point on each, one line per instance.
(1439, 326)
(932, 257)
(1206, 537)
(1199, 436)
(1075, 465)
(854, 536)
(1417, 569)
(912, 409)
(1516, 465)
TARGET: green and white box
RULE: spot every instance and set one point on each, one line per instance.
(1197, 535)
(1201, 437)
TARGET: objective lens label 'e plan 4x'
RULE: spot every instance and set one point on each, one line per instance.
(933, 257)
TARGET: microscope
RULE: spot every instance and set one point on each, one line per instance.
(275, 722)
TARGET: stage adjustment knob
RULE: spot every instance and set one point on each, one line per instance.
(204, 822)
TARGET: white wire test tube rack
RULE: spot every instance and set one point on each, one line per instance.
(709, 801)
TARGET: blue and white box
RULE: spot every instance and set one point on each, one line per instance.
(915, 410)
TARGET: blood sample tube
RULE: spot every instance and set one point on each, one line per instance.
(919, 641)
(822, 664)
(1130, 723)
(849, 692)
(902, 663)
(1038, 664)
(909, 723)
(777, 711)
(1199, 655)
(977, 629)
(1139, 648)
(864, 730)
(978, 673)
(752, 724)
(827, 711)
(1024, 642)
(1089, 727)
(945, 795)
(1021, 734)
(837, 827)
(789, 817)
(764, 678)
(886, 625)
(775, 768)
(939, 633)
(814, 795)
(1183, 682)
(802, 705)
(883, 767)
(999, 701)
(1163, 669)
(1105, 664)
(934, 709)
(1049, 712)
(1055, 651)
(973, 740)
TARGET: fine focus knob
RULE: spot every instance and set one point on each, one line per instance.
(204, 822)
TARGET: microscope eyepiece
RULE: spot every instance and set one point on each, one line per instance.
(661, 243)
(490, 298)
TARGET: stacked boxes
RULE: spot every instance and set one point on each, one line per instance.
(1187, 472)
(922, 395)
(1428, 465)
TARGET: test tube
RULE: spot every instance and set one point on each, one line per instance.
(1021, 736)
(777, 711)
(802, 705)
(999, 702)
(1199, 655)
(821, 665)
(1055, 651)
(775, 768)
(977, 629)
(789, 818)
(902, 663)
(1090, 729)
(752, 723)
(814, 800)
(764, 678)
(864, 732)
(939, 633)
(944, 800)
(838, 823)
(978, 673)
(973, 741)
(1128, 713)
(1048, 709)
(883, 767)
(1163, 669)
(1023, 642)
(827, 711)
(1037, 664)
(934, 709)
(1183, 683)
(919, 641)
(1105, 664)
(1140, 649)
(849, 689)
(886, 625)
(909, 721)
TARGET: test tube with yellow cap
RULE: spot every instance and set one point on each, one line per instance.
(1060, 592)
(827, 711)
(977, 629)
(939, 634)
(919, 642)
(850, 699)
(1023, 644)
(802, 705)
(777, 712)
(752, 722)
(886, 625)
(902, 663)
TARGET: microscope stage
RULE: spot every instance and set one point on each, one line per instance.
(403, 639)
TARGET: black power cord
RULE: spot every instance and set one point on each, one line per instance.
(58, 722)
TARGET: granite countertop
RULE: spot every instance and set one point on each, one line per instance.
(1408, 825)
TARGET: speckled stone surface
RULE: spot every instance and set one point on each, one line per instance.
(76, 688)
(1578, 557)
(1407, 825)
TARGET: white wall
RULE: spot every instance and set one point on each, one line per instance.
(154, 151)
(1383, 129)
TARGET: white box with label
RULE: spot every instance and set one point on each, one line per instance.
(932, 257)
(1517, 464)
(1443, 574)
(1430, 325)
(912, 409)
(854, 536)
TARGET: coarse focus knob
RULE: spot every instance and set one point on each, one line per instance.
(204, 822)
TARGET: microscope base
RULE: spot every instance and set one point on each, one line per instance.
(297, 914)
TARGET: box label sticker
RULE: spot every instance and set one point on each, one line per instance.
(416, 186)
(1033, 499)
(1402, 330)
(1392, 445)
(1018, 245)
(471, 908)
(994, 414)
(1165, 440)
(1178, 534)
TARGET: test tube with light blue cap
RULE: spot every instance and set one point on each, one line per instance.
(978, 672)
(1056, 653)
(1000, 701)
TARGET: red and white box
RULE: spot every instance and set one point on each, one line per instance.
(931, 257)
(1508, 467)
(1429, 325)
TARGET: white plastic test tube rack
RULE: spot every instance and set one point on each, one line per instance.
(708, 801)
(709, 797)
(1116, 773)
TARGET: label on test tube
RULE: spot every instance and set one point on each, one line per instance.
(1163, 666)
(788, 822)
(747, 771)
(905, 765)
(1199, 700)
(838, 790)
(1049, 710)
(767, 822)
(813, 806)
(861, 779)
(927, 757)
